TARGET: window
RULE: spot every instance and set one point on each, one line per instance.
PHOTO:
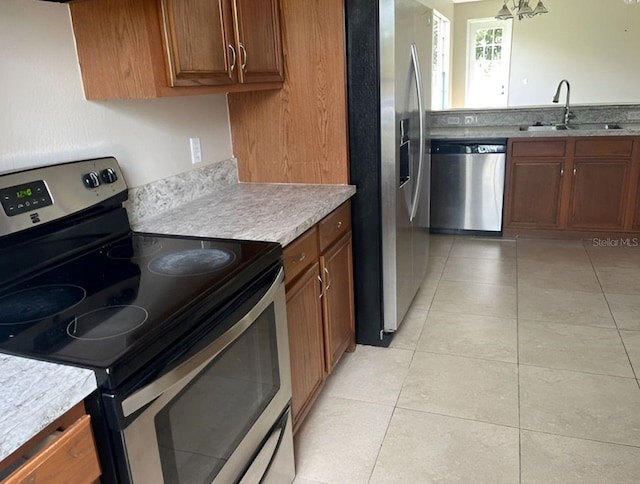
(440, 67)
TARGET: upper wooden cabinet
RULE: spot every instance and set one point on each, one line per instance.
(582, 185)
(200, 43)
(258, 40)
(131, 49)
(298, 134)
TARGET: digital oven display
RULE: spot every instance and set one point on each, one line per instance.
(24, 198)
(26, 193)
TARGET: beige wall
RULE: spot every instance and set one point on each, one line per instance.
(598, 51)
(44, 117)
(595, 44)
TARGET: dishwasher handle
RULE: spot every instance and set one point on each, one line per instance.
(468, 147)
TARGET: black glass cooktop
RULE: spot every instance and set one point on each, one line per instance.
(114, 301)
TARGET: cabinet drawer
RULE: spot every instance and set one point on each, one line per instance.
(335, 225)
(551, 148)
(300, 254)
(599, 147)
(72, 457)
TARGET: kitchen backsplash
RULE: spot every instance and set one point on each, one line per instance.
(467, 118)
(156, 197)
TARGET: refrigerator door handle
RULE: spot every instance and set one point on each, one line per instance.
(418, 76)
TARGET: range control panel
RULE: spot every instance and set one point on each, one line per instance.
(44, 194)
(25, 197)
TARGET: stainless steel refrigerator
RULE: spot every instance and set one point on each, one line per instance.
(389, 78)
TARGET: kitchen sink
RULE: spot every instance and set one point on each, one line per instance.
(543, 127)
(563, 127)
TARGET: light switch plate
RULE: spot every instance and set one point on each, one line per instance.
(196, 150)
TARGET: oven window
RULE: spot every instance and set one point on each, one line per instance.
(201, 427)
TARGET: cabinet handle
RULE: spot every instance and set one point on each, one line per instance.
(575, 170)
(233, 62)
(244, 55)
(321, 287)
(561, 171)
(339, 224)
(301, 257)
(326, 271)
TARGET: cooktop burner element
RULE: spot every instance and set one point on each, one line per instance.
(39, 302)
(108, 322)
(135, 248)
(192, 262)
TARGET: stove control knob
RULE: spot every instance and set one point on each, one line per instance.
(108, 175)
(91, 180)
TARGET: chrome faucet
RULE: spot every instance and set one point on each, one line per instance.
(567, 113)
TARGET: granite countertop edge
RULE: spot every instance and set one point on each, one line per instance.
(33, 394)
(514, 132)
(272, 212)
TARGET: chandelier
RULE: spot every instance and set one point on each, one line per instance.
(521, 9)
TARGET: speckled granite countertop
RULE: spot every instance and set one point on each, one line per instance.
(33, 394)
(251, 211)
(514, 132)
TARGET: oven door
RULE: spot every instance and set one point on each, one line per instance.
(222, 415)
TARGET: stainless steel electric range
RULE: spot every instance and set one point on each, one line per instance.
(187, 336)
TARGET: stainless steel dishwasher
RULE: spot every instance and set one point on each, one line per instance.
(467, 185)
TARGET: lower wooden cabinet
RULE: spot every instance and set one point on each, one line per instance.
(320, 315)
(337, 267)
(636, 222)
(70, 457)
(580, 185)
(599, 194)
(534, 197)
(306, 340)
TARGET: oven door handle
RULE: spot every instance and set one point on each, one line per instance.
(196, 363)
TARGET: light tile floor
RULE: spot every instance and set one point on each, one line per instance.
(517, 363)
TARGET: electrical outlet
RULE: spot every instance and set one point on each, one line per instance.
(453, 120)
(633, 115)
(196, 150)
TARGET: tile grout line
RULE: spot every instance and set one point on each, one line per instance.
(613, 317)
(458, 417)
(585, 439)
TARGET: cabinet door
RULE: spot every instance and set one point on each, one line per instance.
(258, 39)
(337, 269)
(304, 318)
(200, 42)
(636, 222)
(533, 198)
(598, 193)
(71, 457)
